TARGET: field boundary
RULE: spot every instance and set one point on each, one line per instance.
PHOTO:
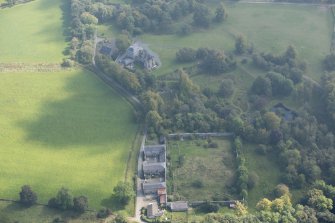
(19, 2)
(27, 67)
(36, 204)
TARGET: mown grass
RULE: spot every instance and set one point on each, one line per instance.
(213, 167)
(63, 129)
(34, 32)
(270, 28)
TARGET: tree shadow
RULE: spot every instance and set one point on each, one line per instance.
(91, 115)
(66, 19)
(65, 7)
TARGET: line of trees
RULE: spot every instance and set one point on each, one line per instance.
(211, 61)
(160, 16)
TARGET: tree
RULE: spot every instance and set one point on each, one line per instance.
(87, 18)
(119, 219)
(240, 44)
(318, 201)
(122, 43)
(281, 190)
(264, 205)
(202, 16)
(220, 14)
(11, 2)
(226, 88)
(185, 55)
(80, 204)
(123, 192)
(329, 62)
(262, 86)
(305, 214)
(253, 179)
(290, 53)
(272, 121)
(240, 209)
(85, 54)
(27, 196)
(63, 200)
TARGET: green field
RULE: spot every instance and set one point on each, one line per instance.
(271, 28)
(267, 169)
(63, 129)
(34, 32)
(214, 167)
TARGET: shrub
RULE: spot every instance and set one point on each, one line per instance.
(27, 196)
(185, 55)
(80, 204)
(104, 213)
(197, 184)
(63, 200)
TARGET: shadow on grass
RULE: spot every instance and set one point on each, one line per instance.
(92, 115)
(66, 19)
(65, 6)
(14, 209)
(112, 203)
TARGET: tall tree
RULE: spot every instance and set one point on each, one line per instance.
(123, 192)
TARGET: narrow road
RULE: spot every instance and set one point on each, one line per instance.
(139, 193)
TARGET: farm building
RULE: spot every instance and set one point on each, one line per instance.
(162, 195)
(152, 188)
(151, 169)
(154, 153)
(178, 206)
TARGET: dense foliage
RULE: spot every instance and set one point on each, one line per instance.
(27, 196)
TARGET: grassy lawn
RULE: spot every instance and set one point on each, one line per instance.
(63, 129)
(214, 167)
(267, 169)
(34, 32)
(271, 28)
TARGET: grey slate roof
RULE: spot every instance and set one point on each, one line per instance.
(153, 186)
(153, 167)
(179, 206)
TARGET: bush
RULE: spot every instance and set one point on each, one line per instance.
(80, 204)
(27, 196)
(67, 63)
(104, 213)
(185, 55)
(208, 207)
(63, 200)
(197, 184)
(253, 179)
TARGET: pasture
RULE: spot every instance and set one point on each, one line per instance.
(201, 173)
(270, 28)
(63, 129)
(34, 32)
